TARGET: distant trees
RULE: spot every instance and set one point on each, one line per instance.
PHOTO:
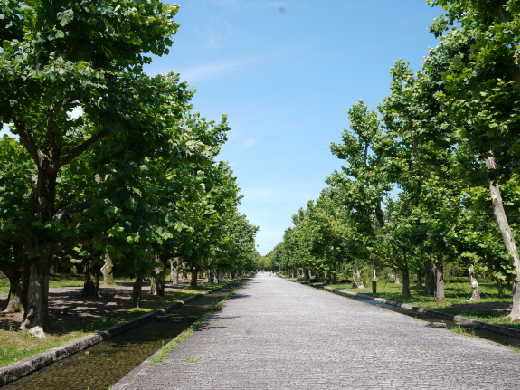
(447, 141)
(134, 177)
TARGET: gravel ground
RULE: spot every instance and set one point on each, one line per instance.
(276, 334)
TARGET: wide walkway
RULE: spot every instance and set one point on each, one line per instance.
(277, 334)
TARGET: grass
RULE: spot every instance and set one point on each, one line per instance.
(465, 332)
(456, 294)
(4, 285)
(161, 356)
(67, 326)
(191, 360)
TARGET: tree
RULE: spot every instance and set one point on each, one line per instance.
(63, 54)
(482, 90)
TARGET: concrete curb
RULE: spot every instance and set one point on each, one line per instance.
(132, 375)
(445, 316)
(30, 364)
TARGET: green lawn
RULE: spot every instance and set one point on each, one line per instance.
(456, 294)
(16, 345)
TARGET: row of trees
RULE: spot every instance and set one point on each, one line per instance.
(133, 181)
(447, 140)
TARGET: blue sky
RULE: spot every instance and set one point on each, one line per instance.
(286, 73)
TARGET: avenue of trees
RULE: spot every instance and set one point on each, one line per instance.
(131, 187)
(430, 178)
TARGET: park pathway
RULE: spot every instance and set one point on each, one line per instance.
(276, 334)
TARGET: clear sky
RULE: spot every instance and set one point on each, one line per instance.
(286, 73)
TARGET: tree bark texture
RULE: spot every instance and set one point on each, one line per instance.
(475, 294)
(15, 296)
(508, 237)
(499, 288)
(359, 282)
(157, 282)
(136, 293)
(174, 267)
(91, 284)
(106, 270)
(429, 279)
(440, 298)
(37, 313)
(418, 283)
(80, 268)
(405, 289)
(194, 275)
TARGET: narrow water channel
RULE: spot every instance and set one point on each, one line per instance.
(102, 365)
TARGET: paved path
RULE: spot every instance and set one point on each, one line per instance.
(277, 334)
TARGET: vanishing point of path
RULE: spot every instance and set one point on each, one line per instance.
(276, 334)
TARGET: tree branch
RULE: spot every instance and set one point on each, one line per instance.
(81, 148)
(28, 142)
(74, 208)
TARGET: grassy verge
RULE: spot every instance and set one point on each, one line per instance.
(161, 356)
(68, 325)
(456, 294)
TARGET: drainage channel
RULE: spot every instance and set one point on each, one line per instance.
(441, 323)
(498, 338)
(103, 364)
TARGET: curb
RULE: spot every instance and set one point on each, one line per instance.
(445, 316)
(132, 375)
(33, 363)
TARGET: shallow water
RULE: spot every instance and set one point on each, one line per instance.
(104, 364)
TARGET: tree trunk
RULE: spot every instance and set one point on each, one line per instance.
(157, 281)
(91, 284)
(161, 282)
(441, 299)
(174, 267)
(80, 268)
(36, 313)
(358, 275)
(194, 275)
(136, 293)
(232, 274)
(306, 273)
(418, 283)
(184, 273)
(15, 296)
(405, 290)
(508, 237)
(36, 317)
(106, 270)
(475, 294)
(499, 288)
(429, 279)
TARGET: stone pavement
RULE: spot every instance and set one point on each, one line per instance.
(276, 334)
